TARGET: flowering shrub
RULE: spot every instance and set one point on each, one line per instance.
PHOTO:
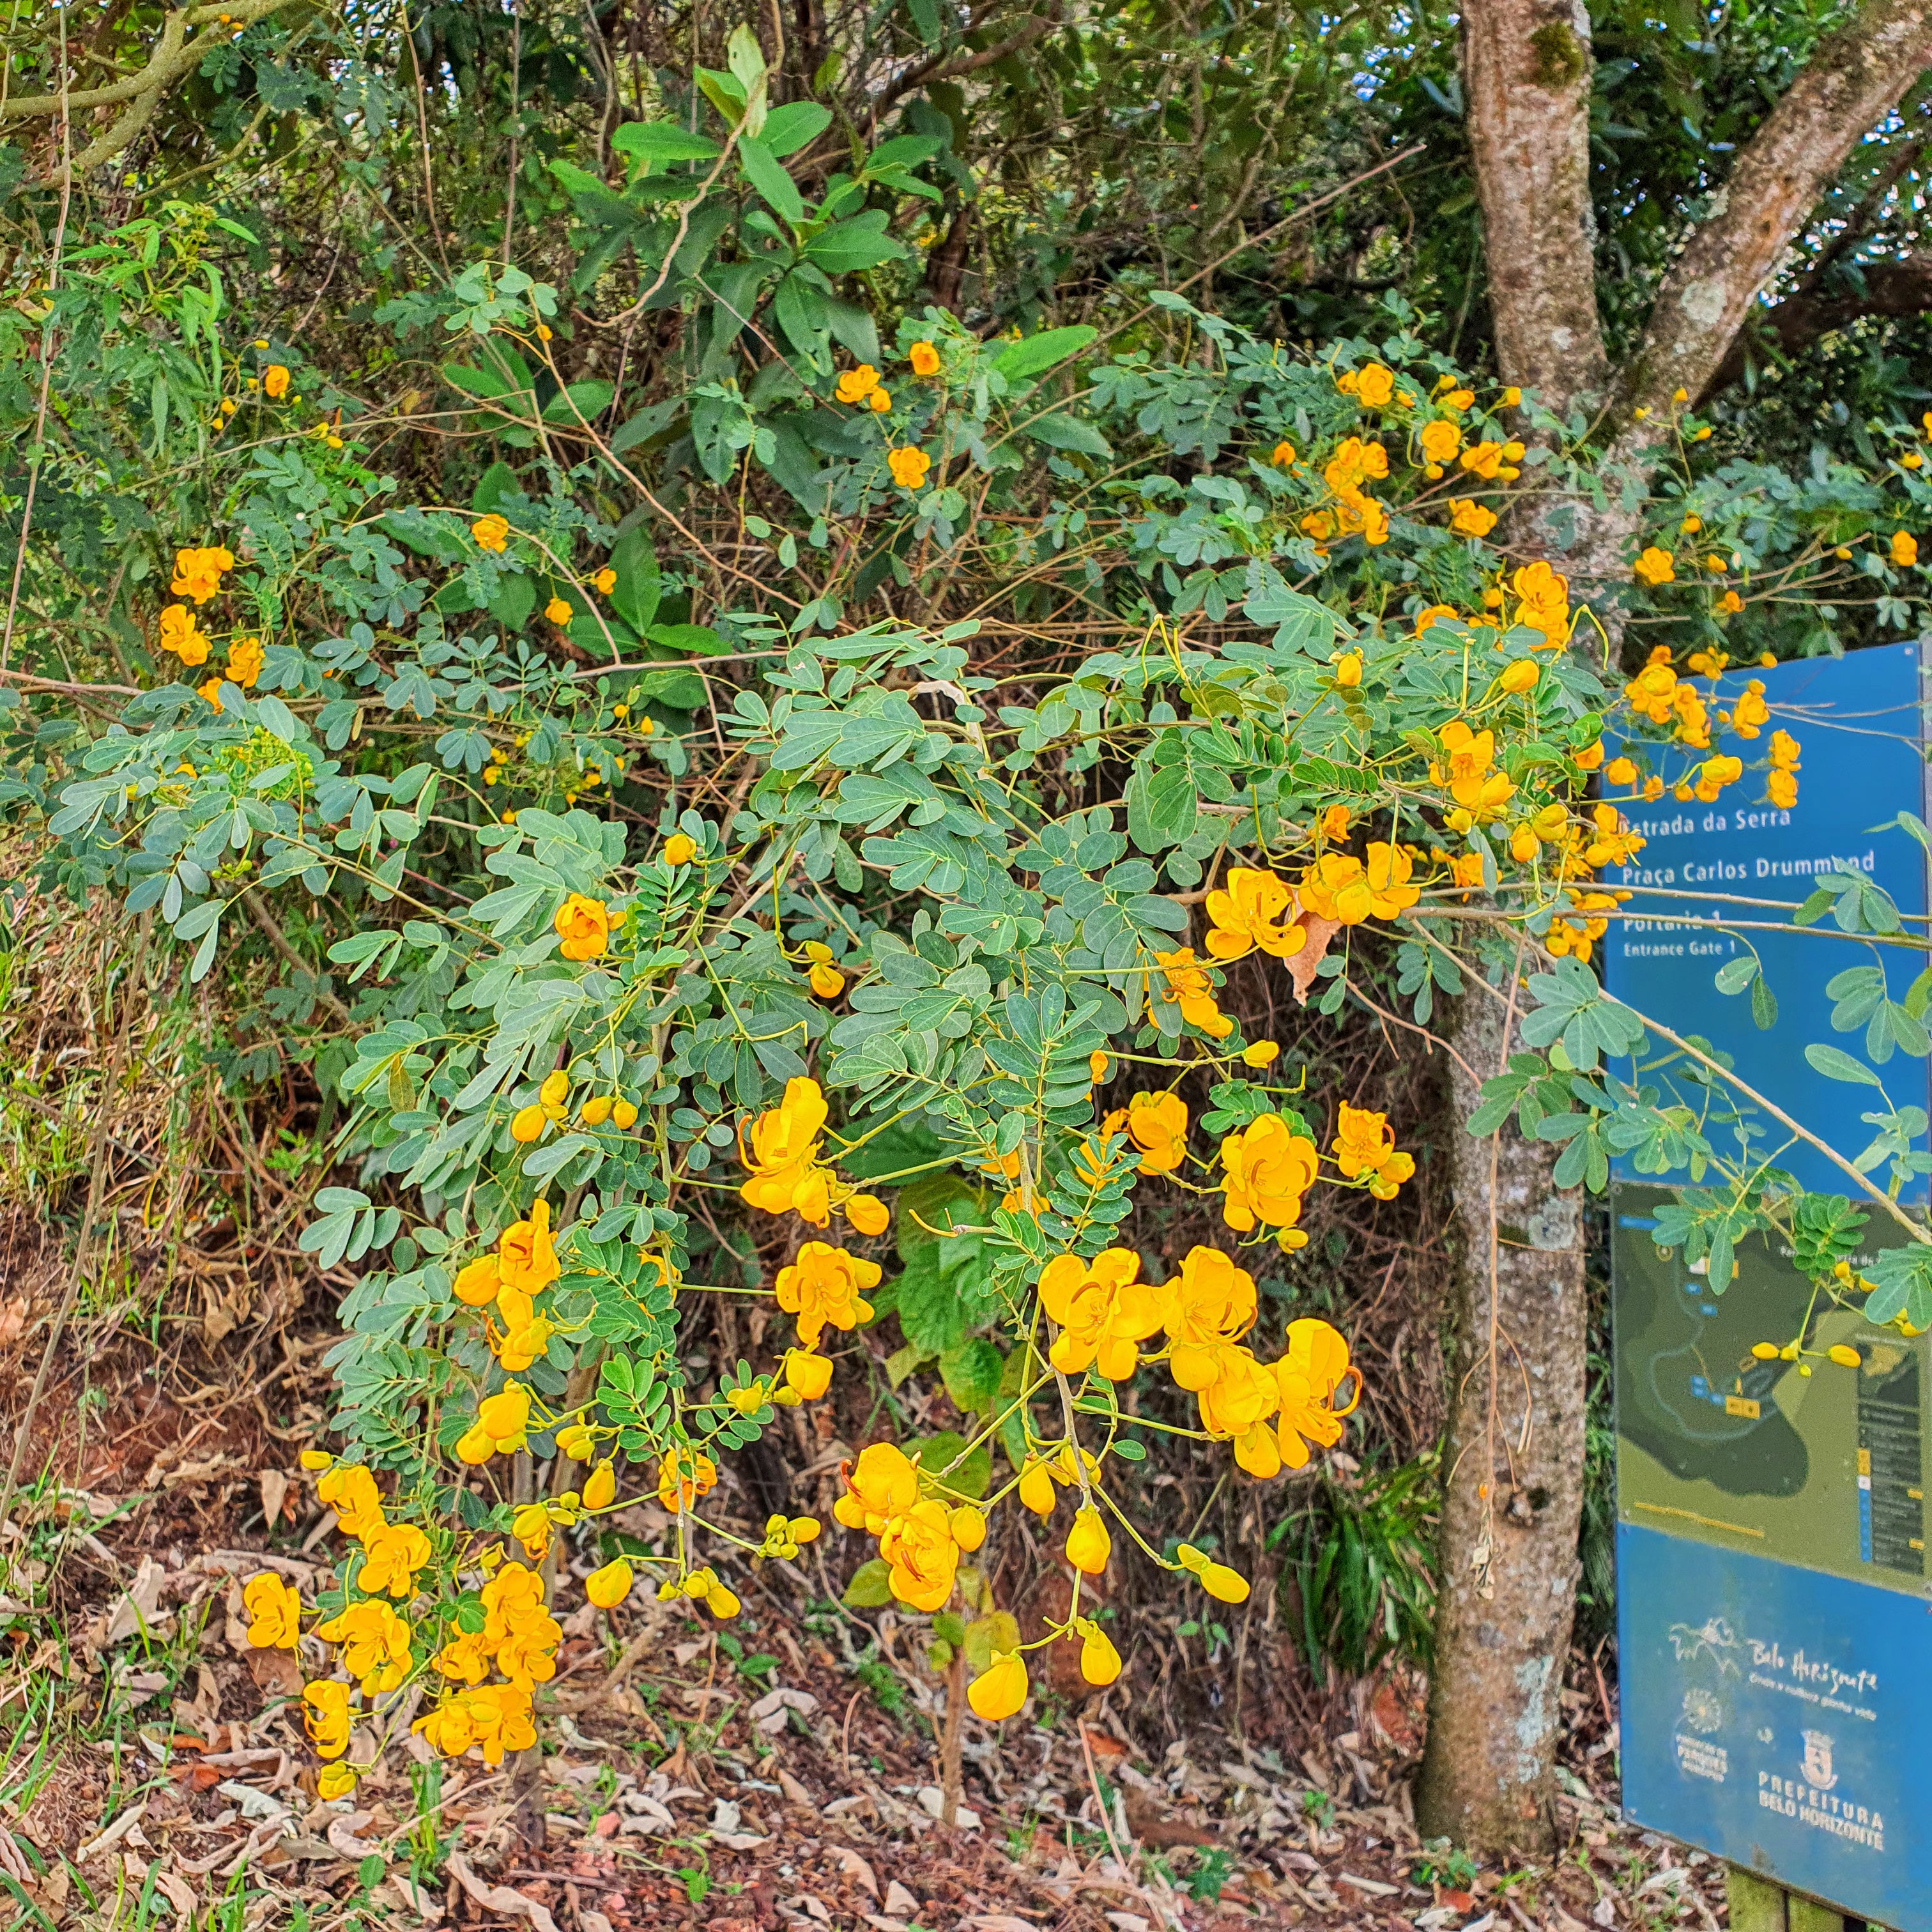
(868, 921)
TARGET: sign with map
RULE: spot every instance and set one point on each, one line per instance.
(1775, 1605)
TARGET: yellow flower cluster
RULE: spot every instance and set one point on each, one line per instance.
(787, 1174)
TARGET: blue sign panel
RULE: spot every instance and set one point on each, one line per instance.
(1857, 720)
(1779, 1717)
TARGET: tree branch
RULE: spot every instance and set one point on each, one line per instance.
(1526, 78)
(1856, 76)
(1892, 290)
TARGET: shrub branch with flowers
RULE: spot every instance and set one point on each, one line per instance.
(888, 929)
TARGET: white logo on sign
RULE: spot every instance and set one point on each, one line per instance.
(1818, 1759)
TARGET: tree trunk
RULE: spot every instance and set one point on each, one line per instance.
(1513, 1479)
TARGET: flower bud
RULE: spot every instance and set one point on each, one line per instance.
(1000, 1689)
(600, 1488)
(1088, 1545)
(608, 1587)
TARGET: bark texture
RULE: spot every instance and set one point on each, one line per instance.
(1512, 1481)
(1855, 77)
(1526, 82)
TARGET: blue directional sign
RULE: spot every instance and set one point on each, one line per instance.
(1742, 863)
(1773, 1596)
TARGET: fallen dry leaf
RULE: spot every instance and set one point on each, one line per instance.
(1301, 964)
(503, 1898)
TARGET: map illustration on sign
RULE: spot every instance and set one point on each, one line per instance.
(1774, 1598)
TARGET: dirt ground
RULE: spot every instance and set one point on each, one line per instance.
(781, 1772)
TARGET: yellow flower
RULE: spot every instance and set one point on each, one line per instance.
(1620, 772)
(1255, 909)
(600, 1486)
(1099, 1661)
(1157, 1125)
(1088, 1545)
(244, 661)
(1216, 1579)
(180, 634)
(881, 1486)
(1374, 385)
(1654, 566)
(1189, 988)
(605, 581)
(583, 924)
(1241, 1392)
(679, 849)
(1104, 1313)
(1268, 1168)
(624, 1114)
(1210, 1304)
(879, 401)
(1036, 1490)
(1349, 890)
(807, 1375)
(908, 467)
(856, 384)
(1469, 518)
(1364, 1144)
(1520, 677)
(275, 1612)
(557, 611)
(492, 532)
(924, 1559)
(526, 1258)
(530, 1526)
(576, 1442)
(827, 981)
(275, 381)
(1348, 671)
(1781, 788)
(335, 1781)
(1904, 549)
(505, 1417)
(1000, 1689)
(211, 692)
(1512, 397)
(1543, 599)
(198, 573)
(782, 1157)
(1308, 1375)
(349, 1489)
(823, 1287)
(375, 1644)
(1479, 793)
(968, 1527)
(867, 1213)
(679, 1485)
(608, 1587)
(1439, 441)
(527, 1124)
(924, 359)
(396, 1551)
(325, 1716)
(1282, 456)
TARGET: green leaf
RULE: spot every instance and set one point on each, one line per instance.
(871, 1585)
(1835, 1065)
(661, 144)
(1734, 975)
(762, 170)
(971, 1373)
(938, 1454)
(496, 483)
(1058, 431)
(581, 402)
(789, 128)
(1019, 361)
(639, 588)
